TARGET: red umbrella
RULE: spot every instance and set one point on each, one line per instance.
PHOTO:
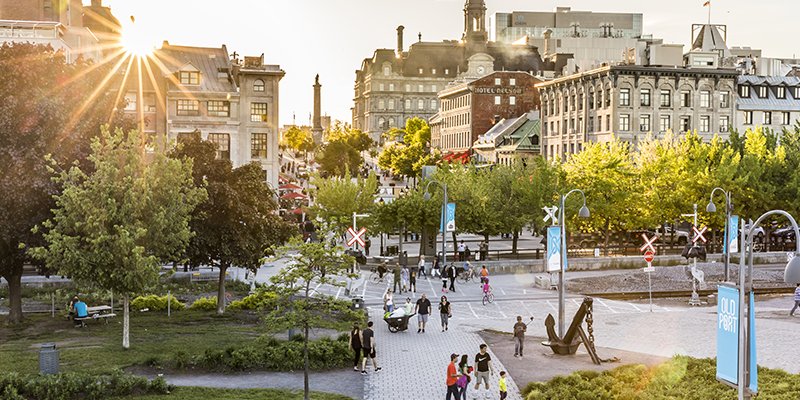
(289, 186)
(294, 195)
(297, 211)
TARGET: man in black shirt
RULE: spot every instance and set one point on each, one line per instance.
(423, 308)
(369, 348)
(483, 363)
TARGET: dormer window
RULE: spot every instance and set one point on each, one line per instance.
(190, 78)
(780, 92)
(258, 85)
(762, 92)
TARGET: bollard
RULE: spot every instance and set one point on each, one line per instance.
(48, 359)
(54, 305)
(169, 301)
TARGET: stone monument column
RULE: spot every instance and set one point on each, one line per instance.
(316, 130)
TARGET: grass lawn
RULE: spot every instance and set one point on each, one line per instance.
(97, 349)
(200, 393)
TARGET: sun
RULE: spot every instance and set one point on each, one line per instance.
(136, 40)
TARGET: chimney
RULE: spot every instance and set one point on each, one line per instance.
(400, 40)
(97, 3)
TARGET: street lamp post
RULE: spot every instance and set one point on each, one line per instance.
(728, 210)
(746, 285)
(583, 213)
(427, 196)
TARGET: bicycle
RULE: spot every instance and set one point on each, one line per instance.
(488, 298)
(375, 278)
(463, 278)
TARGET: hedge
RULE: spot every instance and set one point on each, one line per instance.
(72, 386)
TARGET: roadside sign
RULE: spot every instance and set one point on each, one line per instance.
(648, 256)
(648, 243)
(554, 249)
(551, 214)
(649, 268)
(698, 234)
(448, 218)
(356, 237)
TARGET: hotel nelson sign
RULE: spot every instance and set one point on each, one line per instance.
(499, 90)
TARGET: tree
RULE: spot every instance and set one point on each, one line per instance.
(47, 107)
(116, 224)
(295, 137)
(417, 131)
(298, 305)
(234, 226)
(336, 199)
(337, 157)
(359, 140)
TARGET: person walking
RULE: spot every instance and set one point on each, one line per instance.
(412, 280)
(423, 308)
(483, 365)
(503, 386)
(396, 272)
(388, 301)
(796, 299)
(445, 312)
(452, 378)
(445, 274)
(484, 249)
(519, 336)
(355, 345)
(463, 381)
(367, 243)
(436, 265)
(421, 266)
(404, 274)
(452, 277)
(409, 307)
(368, 347)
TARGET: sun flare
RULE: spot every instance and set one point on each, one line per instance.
(136, 40)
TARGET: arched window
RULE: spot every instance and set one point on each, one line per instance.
(258, 85)
(381, 123)
(391, 122)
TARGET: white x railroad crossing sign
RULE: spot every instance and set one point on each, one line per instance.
(551, 214)
(698, 234)
(648, 243)
(356, 236)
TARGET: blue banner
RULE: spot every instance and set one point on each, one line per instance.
(728, 334)
(732, 233)
(554, 249)
(448, 218)
(753, 360)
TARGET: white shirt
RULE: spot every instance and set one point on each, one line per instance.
(461, 247)
(387, 298)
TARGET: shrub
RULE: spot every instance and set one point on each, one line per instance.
(156, 303)
(180, 360)
(252, 302)
(298, 337)
(78, 386)
(205, 304)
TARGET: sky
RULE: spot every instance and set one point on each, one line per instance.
(332, 37)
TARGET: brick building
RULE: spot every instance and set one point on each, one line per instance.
(470, 108)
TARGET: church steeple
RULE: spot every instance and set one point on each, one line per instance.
(475, 23)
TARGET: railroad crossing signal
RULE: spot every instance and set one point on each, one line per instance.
(551, 214)
(648, 243)
(698, 234)
(356, 236)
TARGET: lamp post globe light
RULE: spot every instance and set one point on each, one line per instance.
(427, 196)
(582, 213)
(711, 208)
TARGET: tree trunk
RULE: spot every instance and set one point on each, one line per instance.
(221, 291)
(514, 242)
(305, 362)
(608, 234)
(126, 322)
(15, 295)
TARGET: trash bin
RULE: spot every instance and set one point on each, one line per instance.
(358, 303)
(404, 258)
(48, 359)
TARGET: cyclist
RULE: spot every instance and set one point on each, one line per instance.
(468, 271)
(487, 288)
(484, 274)
(382, 270)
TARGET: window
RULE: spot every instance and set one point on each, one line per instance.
(780, 92)
(386, 70)
(725, 99)
(748, 118)
(705, 98)
(421, 88)
(544, 129)
(686, 98)
(391, 87)
(580, 124)
(219, 108)
(664, 123)
(723, 123)
(391, 122)
(433, 71)
(572, 103)
(599, 98)
(608, 98)
(666, 98)
(190, 78)
(497, 81)
(512, 100)
(625, 97)
(258, 145)
(420, 71)
(624, 122)
(544, 108)
(131, 99)
(572, 148)
(380, 87)
(223, 142)
(645, 97)
(258, 112)
(763, 92)
(744, 91)
(797, 93)
(188, 107)
(447, 71)
(433, 88)
(391, 104)
(512, 82)
(381, 104)
(767, 118)
(580, 101)
(381, 123)
(433, 105)
(258, 85)
(590, 125)
(591, 99)
(644, 123)
(786, 118)
(408, 104)
(496, 100)
(408, 88)
(685, 124)
(705, 124)
(420, 104)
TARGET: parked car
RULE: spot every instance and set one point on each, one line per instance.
(758, 232)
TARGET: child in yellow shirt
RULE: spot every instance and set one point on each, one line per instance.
(503, 387)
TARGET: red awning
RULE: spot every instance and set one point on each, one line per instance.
(289, 186)
(457, 156)
(297, 211)
(294, 195)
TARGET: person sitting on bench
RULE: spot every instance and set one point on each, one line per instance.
(80, 312)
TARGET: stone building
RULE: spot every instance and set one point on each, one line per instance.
(771, 102)
(395, 85)
(509, 139)
(470, 108)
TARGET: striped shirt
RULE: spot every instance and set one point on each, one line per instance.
(797, 294)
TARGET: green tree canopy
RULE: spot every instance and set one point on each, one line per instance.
(337, 157)
(337, 198)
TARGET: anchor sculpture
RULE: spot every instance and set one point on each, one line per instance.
(575, 335)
